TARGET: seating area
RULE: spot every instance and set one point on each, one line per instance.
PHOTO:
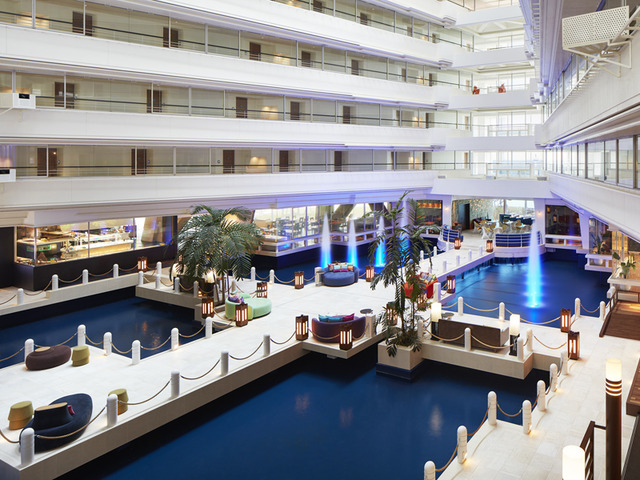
(257, 307)
(327, 328)
(487, 334)
(339, 274)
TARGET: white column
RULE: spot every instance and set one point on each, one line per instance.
(85, 276)
(526, 417)
(253, 274)
(316, 272)
(460, 306)
(520, 346)
(577, 309)
(112, 410)
(462, 444)
(54, 282)
(266, 345)
(420, 329)
(553, 377)
(175, 384)
(564, 358)
(542, 396)
(175, 338)
(208, 327)
(437, 289)
(603, 307)
(492, 401)
(501, 312)
(82, 331)
(224, 363)
(176, 284)
(158, 282)
(20, 294)
(159, 268)
(272, 276)
(196, 289)
(467, 339)
(140, 279)
(135, 352)
(106, 343)
(28, 348)
(27, 446)
(429, 471)
(116, 270)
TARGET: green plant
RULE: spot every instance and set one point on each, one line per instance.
(625, 267)
(221, 241)
(402, 266)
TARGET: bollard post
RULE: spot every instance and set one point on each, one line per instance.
(437, 287)
(520, 347)
(462, 444)
(85, 276)
(457, 260)
(501, 312)
(159, 268)
(253, 274)
(27, 446)
(208, 327)
(603, 307)
(467, 339)
(135, 352)
(224, 363)
(460, 306)
(116, 270)
(106, 343)
(318, 277)
(176, 285)
(112, 410)
(564, 358)
(28, 347)
(82, 331)
(234, 285)
(370, 325)
(542, 396)
(470, 255)
(576, 309)
(480, 250)
(175, 339)
(158, 282)
(429, 471)
(20, 296)
(529, 340)
(175, 383)
(444, 266)
(492, 416)
(526, 417)
(421, 255)
(54, 282)
(196, 289)
(553, 377)
(266, 345)
(420, 329)
(272, 276)
(140, 279)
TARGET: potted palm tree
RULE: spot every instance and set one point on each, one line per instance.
(401, 272)
(220, 241)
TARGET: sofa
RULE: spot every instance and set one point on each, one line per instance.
(329, 332)
(257, 307)
(425, 281)
(339, 278)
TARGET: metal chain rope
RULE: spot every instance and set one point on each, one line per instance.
(33, 294)
(506, 414)
(11, 356)
(46, 437)
(100, 274)
(589, 311)
(9, 299)
(453, 455)
(71, 281)
(250, 355)
(156, 348)
(148, 399)
(8, 439)
(92, 342)
(121, 352)
(287, 340)
(203, 375)
(192, 335)
(481, 423)
(547, 346)
(481, 309)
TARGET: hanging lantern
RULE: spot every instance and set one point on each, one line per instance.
(574, 345)
(392, 317)
(261, 290)
(346, 337)
(242, 315)
(489, 248)
(207, 307)
(142, 264)
(370, 273)
(457, 243)
(451, 284)
(302, 327)
(565, 320)
(299, 280)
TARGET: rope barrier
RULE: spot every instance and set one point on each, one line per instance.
(66, 341)
(251, 354)
(287, 340)
(547, 346)
(455, 302)
(506, 414)
(11, 356)
(156, 348)
(204, 374)
(282, 281)
(46, 437)
(92, 342)
(261, 278)
(165, 284)
(33, 294)
(481, 309)
(481, 423)
(453, 455)
(129, 269)
(7, 438)
(589, 311)
(121, 352)
(100, 274)
(9, 299)
(192, 335)
(490, 346)
(71, 281)
(148, 399)
(186, 289)
(534, 323)
(448, 339)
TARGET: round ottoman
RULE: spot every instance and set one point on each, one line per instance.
(123, 397)
(259, 306)
(47, 357)
(20, 414)
(80, 356)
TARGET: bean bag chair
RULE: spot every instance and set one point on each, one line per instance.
(48, 357)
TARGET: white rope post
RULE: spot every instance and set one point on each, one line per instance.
(370, 325)
(20, 296)
(470, 255)
(28, 348)
(429, 471)
(54, 282)
(140, 279)
(444, 266)
(175, 338)
(85, 276)
(480, 250)
(564, 358)
(253, 274)
(27, 446)
(553, 377)
(196, 289)
(116, 270)
(266, 345)
(82, 331)
(272, 276)
(460, 306)
(576, 309)
(158, 282)
(437, 289)
(318, 276)
(529, 340)
(492, 416)
(112, 410)
(208, 327)
(421, 255)
(526, 417)
(467, 339)
(176, 284)
(520, 347)
(106, 343)
(234, 285)
(457, 260)
(603, 307)
(135, 352)
(462, 444)
(159, 268)
(224, 363)
(542, 396)
(501, 312)
(175, 383)
(420, 329)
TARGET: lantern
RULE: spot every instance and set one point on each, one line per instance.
(392, 317)
(457, 243)
(574, 345)
(423, 299)
(565, 320)
(299, 280)
(346, 337)
(142, 264)
(261, 290)
(370, 272)
(302, 327)
(573, 460)
(514, 333)
(242, 315)
(207, 307)
(451, 284)
(436, 313)
(489, 246)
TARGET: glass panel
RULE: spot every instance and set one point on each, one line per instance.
(334, 60)
(43, 86)
(171, 99)
(313, 160)
(625, 171)
(383, 160)
(16, 11)
(111, 236)
(324, 111)
(25, 243)
(27, 161)
(57, 14)
(192, 160)
(561, 220)
(346, 9)
(190, 35)
(223, 41)
(595, 152)
(62, 242)
(5, 82)
(429, 212)
(207, 102)
(299, 222)
(610, 161)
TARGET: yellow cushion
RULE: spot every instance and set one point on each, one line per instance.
(80, 356)
(123, 397)
(20, 414)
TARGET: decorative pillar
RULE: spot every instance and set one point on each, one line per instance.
(614, 419)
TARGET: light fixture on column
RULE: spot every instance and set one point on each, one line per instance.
(573, 344)
(370, 273)
(613, 426)
(299, 280)
(489, 247)
(142, 264)
(451, 284)
(514, 333)
(346, 337)
(436, 313)
(565, 320)
(302, 327)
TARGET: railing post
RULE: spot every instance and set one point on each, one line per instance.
(526, 417)
(370, 325)
(28, 348)
(208, 327)
(20, 294)
(253, 274)
(553, 377)
(520, 347)
(421, 255)
(159, 268)
(27, 446)
(175, 383)
(82, 331)
(429, 471)
(420, 329)
(158, 282)
(492, 416)
(501, 312)
(266, 345)
(564, 358)
(116, 270)
(175, 338)
(316, 273)
(176, 285)
(196, 289)
(106, 343)
(54, 282)
(462, 444)
(467, 339)
(529, 340)
(224, 363)
(437, 290)
(112, 410)
(542, 396)
(577, 309)
(85, 276)
(140, 279)
(603, 308)
(272, 276)
(460, 306)
(135, 352)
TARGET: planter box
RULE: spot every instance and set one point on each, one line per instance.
(406, 364)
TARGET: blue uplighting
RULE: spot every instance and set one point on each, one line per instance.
(381, 249)
(352, 250)
(325, 255)
(534, 275)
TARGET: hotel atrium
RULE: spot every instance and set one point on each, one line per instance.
(117, 117)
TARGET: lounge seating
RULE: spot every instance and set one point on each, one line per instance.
(48, 357)
(329, 331)
(339, 277)
(257, 307)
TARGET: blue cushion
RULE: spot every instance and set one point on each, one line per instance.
(330, 318)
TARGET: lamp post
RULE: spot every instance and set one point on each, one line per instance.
(142, 264)
(346, 337)
(565, 320)
(613, 388)
(242, 315)
(207, 307)
(457, 243)
(514, 333)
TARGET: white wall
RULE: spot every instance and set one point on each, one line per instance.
(470, 187)
(491, 57)
(501, 144)
(515, 99)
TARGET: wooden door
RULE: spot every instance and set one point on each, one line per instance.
(346, 114)
(432, 79)
(317, 6)
(355, 67)
(242, 104)
(404, 74)
(47, 164)
(228, 161)
(170, 37)
(283, 161)
(294, 113)
(305, 58)
(139, 161)
(337, 161)
(82, 24)
(255, 51)
(154, 101)
(364, 19)
(59, 95)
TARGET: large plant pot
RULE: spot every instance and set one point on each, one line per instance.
(406, 364)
